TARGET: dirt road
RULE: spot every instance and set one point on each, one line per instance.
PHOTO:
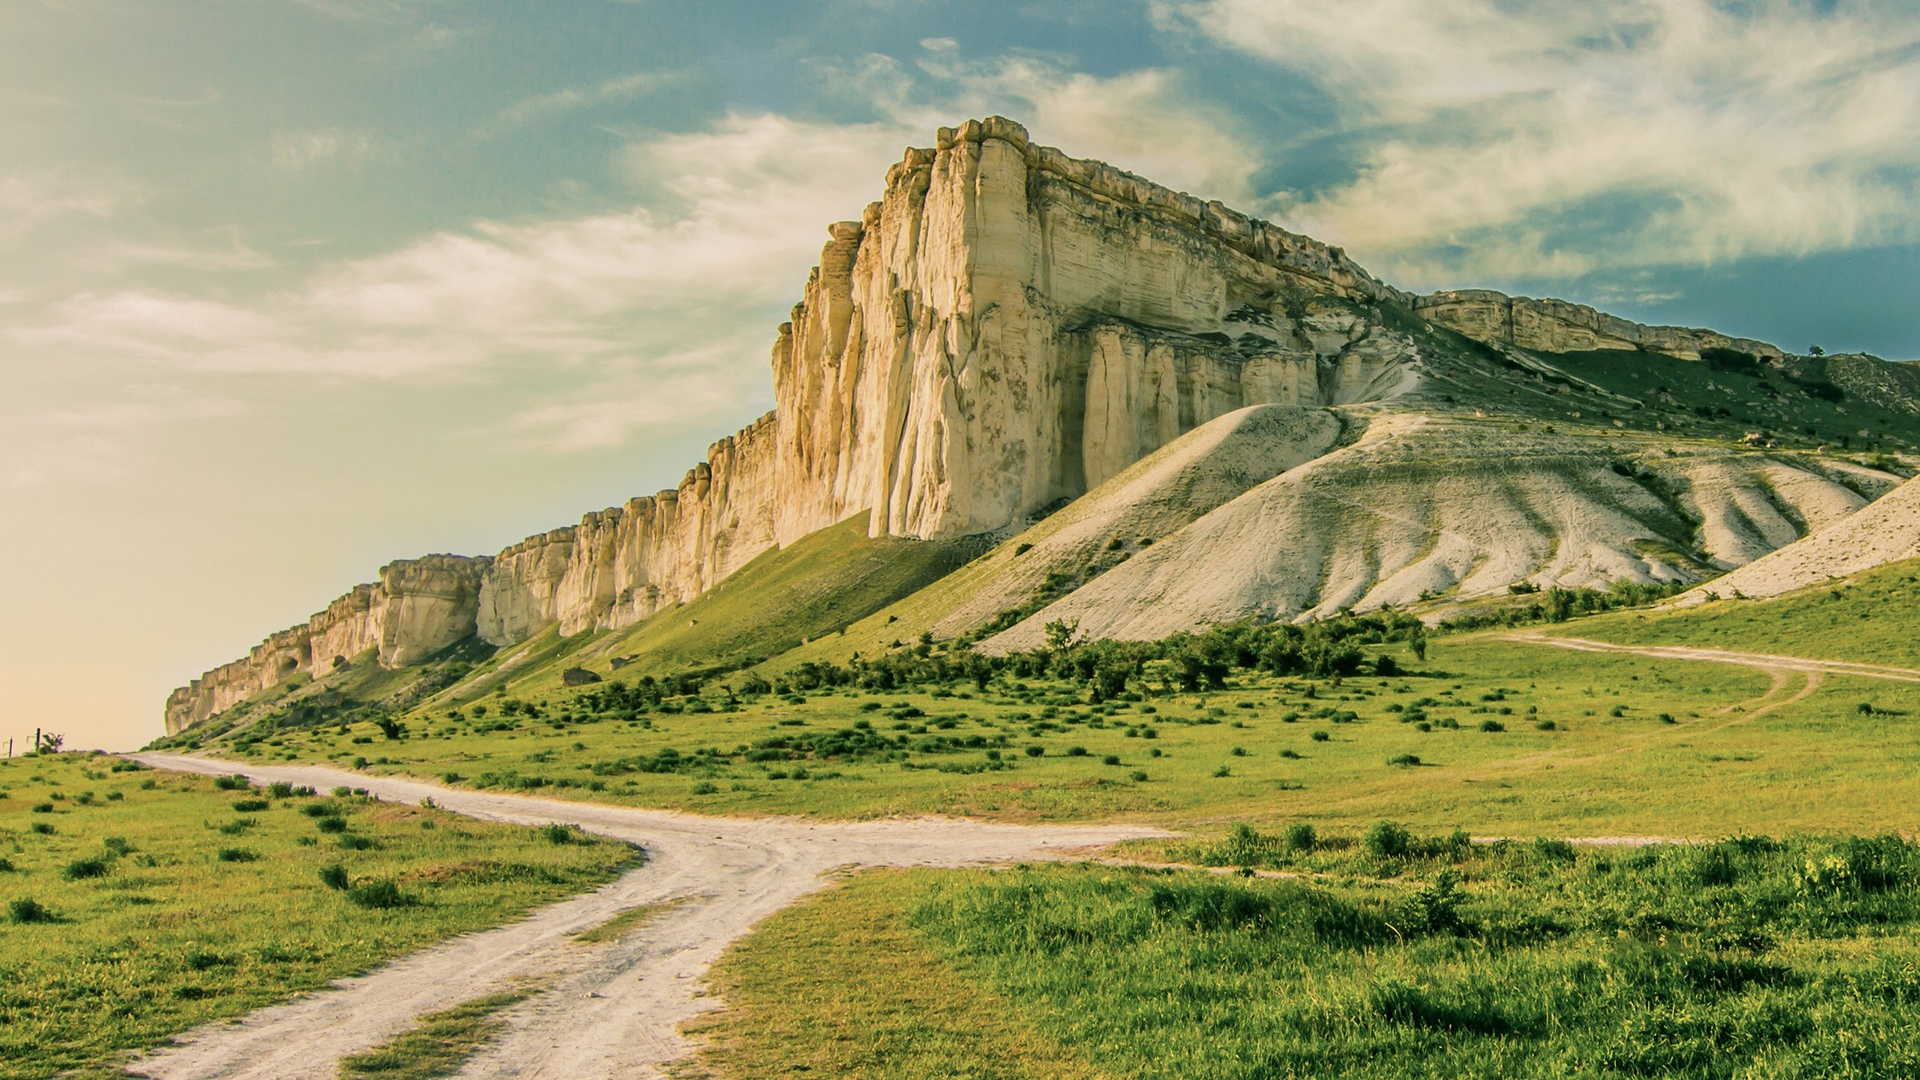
(612, 1010)
(1767, 661)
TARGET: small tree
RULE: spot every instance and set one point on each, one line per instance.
(1060, 633)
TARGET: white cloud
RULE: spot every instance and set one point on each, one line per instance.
(34, 196)
(296, 151)
(623, 88)
(629, 299)
(1148, 121)
(1566, 136)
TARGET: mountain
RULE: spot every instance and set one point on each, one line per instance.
(1153, 412)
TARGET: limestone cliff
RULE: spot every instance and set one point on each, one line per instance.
(1005, 329)
(1559, 326)
(417, 608)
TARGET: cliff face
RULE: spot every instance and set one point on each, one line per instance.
(418, 607)
(1008, 326)
(1558, 326)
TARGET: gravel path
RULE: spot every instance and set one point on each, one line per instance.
(612, 1010)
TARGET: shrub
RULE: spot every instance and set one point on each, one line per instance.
(1222, 772)
(1110, 759)
(705, 787)
(1036, 751)
(334, 877)
(1404, 760)
(118, 845)
(280, 789)
(381, 893)
(354, 842)
(43, 808)
(236, 854)
(1492, 725)
(1138, 776)
(28, 910)
(1546, 725)
(451, 777)
(342, 792)
(1238, 751)
(44, 828)
(1320, 736)
(1387, 840)
(332, 824)
(81, 869)
(557, 833)
(320, 809)
(250, 806)
(236, 782)
(1291, 755)
(1301, 837)
(6, 866)
(1076, 751)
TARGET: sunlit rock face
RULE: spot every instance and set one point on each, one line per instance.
(419, 607)
(1559, 326)
(1005, 328)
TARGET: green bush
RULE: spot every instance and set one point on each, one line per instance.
(379, 894)
(557, 833)
(332, 824)
(81, 869)
(334, 877)
(236, 854)
(1387, 840)
(28, 910)
(251, 806)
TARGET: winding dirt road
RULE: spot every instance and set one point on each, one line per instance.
(1767, 661)
(611, 1010)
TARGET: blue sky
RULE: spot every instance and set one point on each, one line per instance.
(289, 288)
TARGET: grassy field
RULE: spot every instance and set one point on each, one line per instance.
(1868, 619)
(1405, 957)
(1495, 736)
(136, 904)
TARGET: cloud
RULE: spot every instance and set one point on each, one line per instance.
(34, 196)
(297, 151)
(89, 441)
(1563, 137)
(674, 300)
(623, 88)
(1148, 121)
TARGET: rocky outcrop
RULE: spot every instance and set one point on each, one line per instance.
(417, 608)
(1560, 326)
(1005, 307)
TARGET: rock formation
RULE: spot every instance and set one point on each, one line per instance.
(1558, 326)
(417, 608)
(1009, 328)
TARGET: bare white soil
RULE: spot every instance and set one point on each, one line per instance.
(614, 1010)
(1887, 530)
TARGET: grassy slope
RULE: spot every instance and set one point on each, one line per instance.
(171, 936)
(1869, 619)
(1733, 960)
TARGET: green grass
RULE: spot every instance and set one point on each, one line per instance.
(171, 934)
(1742, 753)
(436, 1046)
(1869, 618)
(1744, 958)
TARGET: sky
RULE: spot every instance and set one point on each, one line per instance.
(292, 288)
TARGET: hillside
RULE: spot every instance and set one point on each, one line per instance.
(1153, 414)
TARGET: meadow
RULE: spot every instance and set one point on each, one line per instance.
(1501, 737)
(1865, 619)
(1400, 955)
(135, 904)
